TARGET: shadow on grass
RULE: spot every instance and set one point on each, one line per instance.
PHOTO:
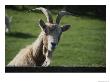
(20, 35)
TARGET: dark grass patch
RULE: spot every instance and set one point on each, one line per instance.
(20, 35)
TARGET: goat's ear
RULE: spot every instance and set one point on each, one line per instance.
(65, 27)
(42, 25)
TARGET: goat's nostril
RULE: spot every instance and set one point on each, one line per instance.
(53, 45)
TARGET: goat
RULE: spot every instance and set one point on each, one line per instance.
(7, 23)
(40, 52)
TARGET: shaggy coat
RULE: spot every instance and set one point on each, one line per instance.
(30, 56)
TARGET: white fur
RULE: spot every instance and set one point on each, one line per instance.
(26, 55)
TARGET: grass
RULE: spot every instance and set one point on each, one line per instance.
(84, 44)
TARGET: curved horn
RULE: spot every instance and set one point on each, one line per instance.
(60, 15)
(47, 14)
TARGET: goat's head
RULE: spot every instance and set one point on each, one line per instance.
(52, 30)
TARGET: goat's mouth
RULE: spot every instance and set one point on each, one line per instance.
(52, 47)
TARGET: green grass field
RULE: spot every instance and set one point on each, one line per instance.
(84, 44)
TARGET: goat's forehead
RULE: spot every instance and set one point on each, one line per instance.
(50, 25)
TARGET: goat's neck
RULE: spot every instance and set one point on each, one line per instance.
(38, 45)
